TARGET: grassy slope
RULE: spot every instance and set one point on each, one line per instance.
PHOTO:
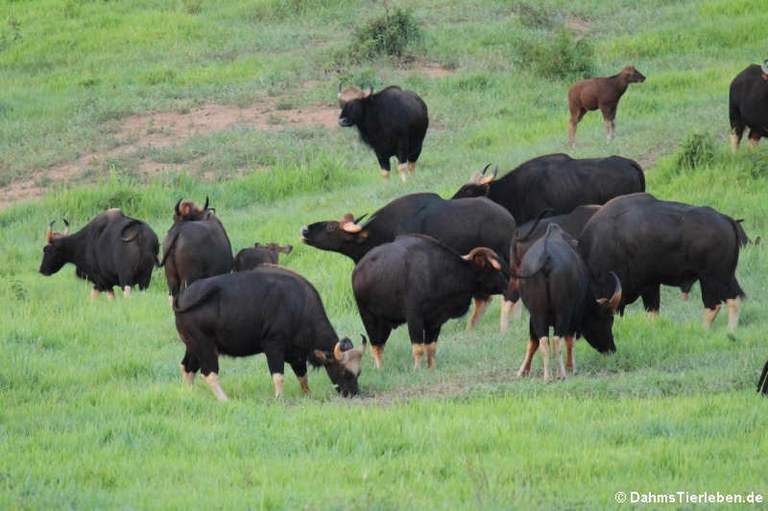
(92, 411)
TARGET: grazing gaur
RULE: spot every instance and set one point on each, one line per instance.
(555, 287)
(422, 282)
(250, 258)
(603, 93)
(268, 310)
(648, 242)
(558, 183)
(196, 246)
(111, 250)
(392, 122)
(748, 104)
(460, 224)
(527, 234)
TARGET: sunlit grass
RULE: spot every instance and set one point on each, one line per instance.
(92, 410)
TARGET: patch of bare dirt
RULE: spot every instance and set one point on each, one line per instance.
(579, 25)
(163, 129)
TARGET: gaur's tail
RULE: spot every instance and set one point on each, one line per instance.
(737, 230)
(193, 297)
(640, 174)
(132, 235)
(169, 248)
(133, 231)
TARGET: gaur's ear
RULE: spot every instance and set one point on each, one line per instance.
(325, 358)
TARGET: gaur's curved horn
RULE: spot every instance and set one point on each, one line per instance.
(486, 252)
(49, 235)
(368, 222)
(612, 303)
(66, 227)
(339, 93)
(176, 210)
(485, 169)
(357, 220)
(205, 206)
(364, 344)
(488, 179)
(368, 91)
(337, 352)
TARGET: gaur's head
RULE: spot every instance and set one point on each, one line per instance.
(478, 186)
(185, 211)
(336, 235)
(632, 75)
(597, 327)
(351, 102)
(343, 365)
(53, 259)
(490, 270)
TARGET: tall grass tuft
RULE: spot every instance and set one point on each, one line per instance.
(390, 35)
(564, 56)
(696, 151)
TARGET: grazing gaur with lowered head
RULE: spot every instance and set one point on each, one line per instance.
(196, 246)
(603, 93)
(422, 282)
(111, 250)
(527, 234)
(649, 242)
(556, 290)
(748, 104)
(558, 183)
(249, 258)
(268, 310)
(460, 224)
(393, 122)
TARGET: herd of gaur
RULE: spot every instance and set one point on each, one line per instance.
(576, 240)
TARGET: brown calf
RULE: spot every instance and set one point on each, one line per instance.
(603, 93)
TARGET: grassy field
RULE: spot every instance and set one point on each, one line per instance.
(92, 411)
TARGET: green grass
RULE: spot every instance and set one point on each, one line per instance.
(92, 411)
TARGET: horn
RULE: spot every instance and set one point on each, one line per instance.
(488, 179)
(612, 303)
(367, 92)
(485, 251)
(66, 227)
(205, 206)
(339, 93)
(367, 222)
(357, 220)
(485, 169)
(337, 352)
(176, 210)
(50, 232)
